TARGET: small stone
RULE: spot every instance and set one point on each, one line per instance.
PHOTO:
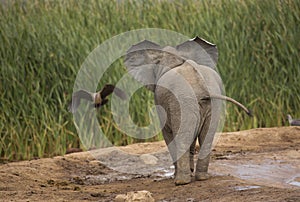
(95, 163)
(138, 196)
(76, 188)
(149, 159)
(120, 198)
(51, 182)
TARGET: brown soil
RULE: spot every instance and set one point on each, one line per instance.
(252, 165)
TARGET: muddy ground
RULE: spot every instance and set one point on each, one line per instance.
(252, 165)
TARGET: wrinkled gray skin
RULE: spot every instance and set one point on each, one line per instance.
(180, 78)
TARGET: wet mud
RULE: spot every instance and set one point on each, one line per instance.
(252, 165)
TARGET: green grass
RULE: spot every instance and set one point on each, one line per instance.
(44, 43)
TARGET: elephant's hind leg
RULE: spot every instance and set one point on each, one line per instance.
(202, 168)
(181, 161)
(168, 137)
(205, 141)
(183, 174)
(185, 151)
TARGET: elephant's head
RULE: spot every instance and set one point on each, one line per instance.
(147, 61)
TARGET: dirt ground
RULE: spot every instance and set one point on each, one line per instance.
(253, 165)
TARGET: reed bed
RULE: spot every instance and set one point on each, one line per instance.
(44, 43)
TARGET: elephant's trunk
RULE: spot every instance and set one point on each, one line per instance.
(223, 97)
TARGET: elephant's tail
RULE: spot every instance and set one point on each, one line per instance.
(223, 97)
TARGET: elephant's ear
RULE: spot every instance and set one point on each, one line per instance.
(140, 63)
(144, 45)
(137, 54)
(200, 51)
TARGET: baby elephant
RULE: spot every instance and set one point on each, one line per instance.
(188, 90)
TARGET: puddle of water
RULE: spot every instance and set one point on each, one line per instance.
(268, 172)
(164, 173)
(243, 188)
(168, 173)
(295, 181)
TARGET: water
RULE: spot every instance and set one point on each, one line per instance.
(243, 188)
(259, 169)
(295, 181)
(267, 172)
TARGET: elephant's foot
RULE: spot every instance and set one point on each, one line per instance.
(202, 169)
(183, 170)
(183, 179)
(200, 176)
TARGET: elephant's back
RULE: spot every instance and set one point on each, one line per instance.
(189, 80)
(194, 79)
(203, 79)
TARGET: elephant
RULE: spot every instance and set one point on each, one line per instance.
(188, 94)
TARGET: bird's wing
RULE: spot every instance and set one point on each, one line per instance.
(106, 90)
(77, 96)
(109, 88)
(83, 94)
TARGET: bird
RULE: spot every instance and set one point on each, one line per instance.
(293, 122)
(98, 99)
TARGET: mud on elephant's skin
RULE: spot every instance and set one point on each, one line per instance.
(188, 90)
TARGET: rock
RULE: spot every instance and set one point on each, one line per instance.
(139, 196)
(149, 159)
(120, 198)
(95, 162)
